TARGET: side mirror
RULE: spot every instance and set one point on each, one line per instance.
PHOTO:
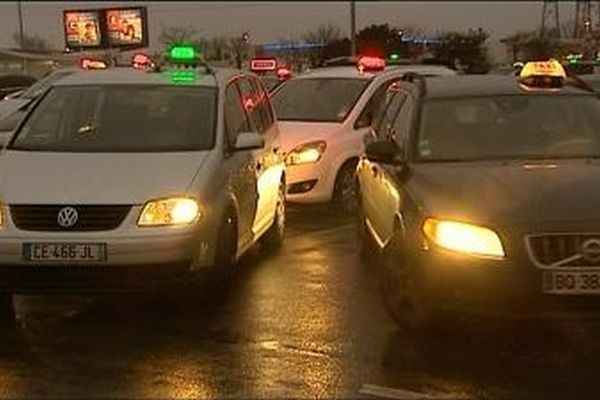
(384, 151)
(248, 141)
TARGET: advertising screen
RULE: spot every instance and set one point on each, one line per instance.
(82, 28)
(126, 27)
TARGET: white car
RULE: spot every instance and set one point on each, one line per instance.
(323, 116)
(122, 179)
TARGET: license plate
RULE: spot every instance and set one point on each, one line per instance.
(64, 251)
(571, 282)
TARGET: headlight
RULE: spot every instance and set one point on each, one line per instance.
(464, 238)
(171, 211)
(306, 153)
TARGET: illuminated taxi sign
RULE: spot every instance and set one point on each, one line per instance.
(263, 64)
(141, 61)
(367, 63)
(183, 54)
(183, 76)
(543, 74)
(543, 68)
(90, 63)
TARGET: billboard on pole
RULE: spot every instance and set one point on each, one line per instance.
(127, 27)
(124, 27)
(83, 29)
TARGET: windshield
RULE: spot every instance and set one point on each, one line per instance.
(40, 86)
(506, 127)
(121, 119)
(9, 122)
(319, 100)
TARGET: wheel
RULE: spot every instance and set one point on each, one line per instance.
(7, 309)
(344, 191)
(366, 247)
(402, 289)
(225, 254)
(273, 238)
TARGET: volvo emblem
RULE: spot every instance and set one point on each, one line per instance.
(67, 217)
(591, 250)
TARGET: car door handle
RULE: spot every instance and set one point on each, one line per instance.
(259, 166)
(374, 170)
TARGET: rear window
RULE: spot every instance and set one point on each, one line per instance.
(121, 119)
(317, 99)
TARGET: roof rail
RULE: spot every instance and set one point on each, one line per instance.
(418, 80)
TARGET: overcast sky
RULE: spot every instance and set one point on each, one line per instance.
(269, 21)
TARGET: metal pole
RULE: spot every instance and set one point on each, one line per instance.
(353, 27)
(21, 35)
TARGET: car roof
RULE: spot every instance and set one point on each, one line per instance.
(353, 72)
(129, 76)
(482, 85)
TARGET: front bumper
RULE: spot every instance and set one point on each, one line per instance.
(314, 177)
(136, 258)
(496, 288)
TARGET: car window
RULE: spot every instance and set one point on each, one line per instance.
(236, 120)
(265, 103)
(533, 126)
(317, 99)
(373, 105)
(403, 121)
(384, 124)
(121, 118)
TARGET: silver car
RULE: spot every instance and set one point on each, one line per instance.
(122, 179)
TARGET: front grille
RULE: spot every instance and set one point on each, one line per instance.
(565, 250)
(90, 217)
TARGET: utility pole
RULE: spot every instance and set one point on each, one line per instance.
(353, 27)
(21, 34)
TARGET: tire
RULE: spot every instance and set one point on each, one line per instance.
(225, 254)
(344, 191)
(7, 309)
(367, 250)
(402, 290)
(273, 238)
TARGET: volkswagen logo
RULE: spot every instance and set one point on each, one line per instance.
(67, 217)
(591, 250)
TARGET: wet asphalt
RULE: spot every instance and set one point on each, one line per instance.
(306, 322)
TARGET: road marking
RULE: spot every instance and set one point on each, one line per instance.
(402, 394)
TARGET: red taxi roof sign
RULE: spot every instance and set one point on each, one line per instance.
(263, 64)
(90, 63)
(284, 73)
(141, 61)
(368, 63)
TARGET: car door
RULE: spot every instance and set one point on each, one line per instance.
(387, 187)
(268, 162)
(242, 164)
(373, 174)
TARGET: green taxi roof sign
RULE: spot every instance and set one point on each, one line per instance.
(183, 54)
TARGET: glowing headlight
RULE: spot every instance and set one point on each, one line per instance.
(171, 211)
(306, 153)
(464, 238)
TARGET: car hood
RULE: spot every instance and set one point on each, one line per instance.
(294, 133)
(509, 193)
(94, 178)
(9, 106)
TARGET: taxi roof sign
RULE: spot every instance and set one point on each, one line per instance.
(263, 64)
(543, 75)
(550, 68)
(183, 54)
